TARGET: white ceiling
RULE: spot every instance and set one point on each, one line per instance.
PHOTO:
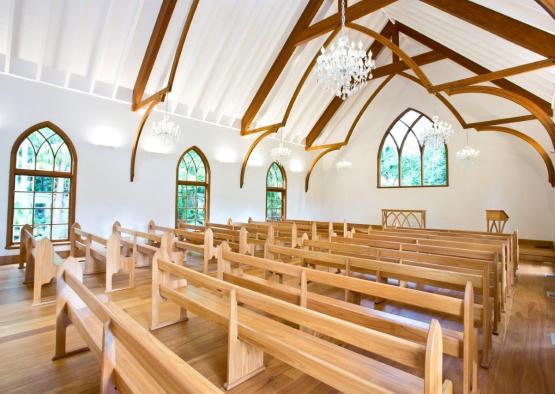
(97, 46)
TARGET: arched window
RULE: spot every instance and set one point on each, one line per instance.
(193, 188)
(404, 161)
(43, 168)
(276, 192)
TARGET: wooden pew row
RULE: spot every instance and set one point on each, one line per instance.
(421, 275)
(502, 258)
(283, 233)
(251, 334)
(102, 255)
(132, 360)
(233, 268)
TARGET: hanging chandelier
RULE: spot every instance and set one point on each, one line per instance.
(467, 153)
(280, 152)
(438, 133)
(343, 164)
(344, 69)
(165, 131)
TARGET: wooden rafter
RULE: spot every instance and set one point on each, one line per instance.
(472, 66)
(515, 31)
(154, 44)
(352, 13)
(495, 75)
(146, 68)
(548, 5)
(420, 60)
(279, 64)
(249, 152)
(495, 122)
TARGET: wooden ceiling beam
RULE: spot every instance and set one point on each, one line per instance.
(421, 60)
(279, 64)
(496, 122)
(154, 44)
(352, 13)
(474, 67)
(548, 5)
(515, 31)
(495, 75)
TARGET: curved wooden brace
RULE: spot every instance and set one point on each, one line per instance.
(322, 154)
(524, 102)
(396, 50)
(249, 152)
(142, 123)
(532, 142)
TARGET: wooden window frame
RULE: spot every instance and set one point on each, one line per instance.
(400, 149)
(206, 184)
(282, 190)
(14, 172)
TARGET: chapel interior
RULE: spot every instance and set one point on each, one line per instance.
(277, 196)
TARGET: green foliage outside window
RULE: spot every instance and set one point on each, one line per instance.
(275, 193)
(404, 161)
(39, 200)
(192, 189)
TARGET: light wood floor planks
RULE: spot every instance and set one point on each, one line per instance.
(524, 363)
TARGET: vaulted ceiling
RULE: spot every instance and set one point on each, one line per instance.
(232, 47)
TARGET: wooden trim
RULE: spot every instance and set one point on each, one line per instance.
(206, 184)
(14, 172)
(526, 103)
(142, 123)
(494, 75)
(544, 155)
(322, 154)
(336, 102)
(495, 122)
(279, 64)
(10, 259)
(159, 31)
(474, 67)
(282, 190)
(352, 13)
(421, 60)
(515, 31)
(326, 146)
(249, 152)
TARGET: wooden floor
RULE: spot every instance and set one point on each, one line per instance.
(523, 358)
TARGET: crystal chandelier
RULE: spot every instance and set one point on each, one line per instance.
(438, 133)
(344, 69)
(343, 164)
(166, 131)
(280, 152)
(468, 152)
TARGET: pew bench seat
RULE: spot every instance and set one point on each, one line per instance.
(340, 367)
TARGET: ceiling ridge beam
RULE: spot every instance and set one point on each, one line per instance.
(495, 75)
(352, 13)
(473, 66)
(279, 64)
(515, 31)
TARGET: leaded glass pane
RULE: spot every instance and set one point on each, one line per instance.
(409, 117)
(23, 200)
(45, 158)
(24, 183)
(63, 160)
(275, 176)
(22, 216)
(410, 162)
(25, 158)
(59, 232)
(389, 164)
(36, 139)
(435, 166)
(41, 231)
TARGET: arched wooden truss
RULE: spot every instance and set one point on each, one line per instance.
(544, 155)
(258, 139)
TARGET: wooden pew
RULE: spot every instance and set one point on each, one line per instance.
(102, 255)
(132, 360)
(251, 334)
(233, 268)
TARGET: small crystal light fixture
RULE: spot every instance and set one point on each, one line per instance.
(344, 69)
(343, 164)
(437, 133)
(165, 131)
(280, 152)
(468, 152)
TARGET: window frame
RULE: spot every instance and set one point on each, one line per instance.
(206, 184)
(400, 150)
(282, 190)
(53, 174)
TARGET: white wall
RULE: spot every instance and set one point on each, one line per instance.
(508, 175)
(104, 192)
